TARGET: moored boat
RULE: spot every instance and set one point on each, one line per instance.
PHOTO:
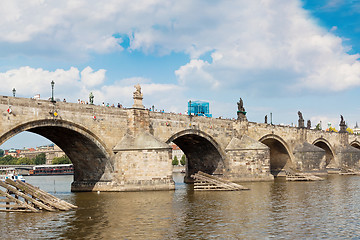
(11, 174)
(57, 169)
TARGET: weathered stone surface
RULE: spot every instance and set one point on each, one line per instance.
(309, 157)
(116, 149)
(245, 143)
(142, 141)
(349, 157)
(248, 160)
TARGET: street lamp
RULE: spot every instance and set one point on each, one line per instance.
(189, 108)
(52, 90)
(14, 91)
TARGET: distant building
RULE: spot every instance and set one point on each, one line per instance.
(176, 151)
(51, 151)
(356, 129)
(12, 152)
(199, 108)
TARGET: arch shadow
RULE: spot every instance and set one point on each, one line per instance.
(355, 144)
(329, 152)
(89, 155)
(202, 152)
(280, 154)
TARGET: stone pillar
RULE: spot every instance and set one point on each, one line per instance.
(309, 158)
(248, 160)
(348, 157)
(241, 115)
(142, 163)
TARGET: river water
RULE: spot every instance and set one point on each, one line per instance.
(328, 209)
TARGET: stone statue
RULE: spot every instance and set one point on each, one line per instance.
(342, 125)
(301, 120)
(241, 111)
(308, 126)
(138, 97)
(137, 92)
(241, 106)
(342, 122)
(300, 116)
(265, 118)
(91, 98)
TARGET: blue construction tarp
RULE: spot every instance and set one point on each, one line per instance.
(199, 108)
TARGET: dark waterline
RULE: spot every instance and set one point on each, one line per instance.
(270, 210)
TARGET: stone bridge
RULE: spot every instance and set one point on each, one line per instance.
(115, 149)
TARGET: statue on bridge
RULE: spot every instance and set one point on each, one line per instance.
(301, 120)
(241, 111)
(137, 92)
(91, 98)
(300, 116)
(308, 126)
(241, 106)
(342, 124)
(138, 97)
(265, 118)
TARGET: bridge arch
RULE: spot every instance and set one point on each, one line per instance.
(202, 152)
(87, 152)
(355, 144)
(280, 154)
(329, 152)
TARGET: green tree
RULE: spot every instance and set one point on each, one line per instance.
(40, 159)
(175, 161)
(183, 160)
(1, 153)
(6, 160)
(61, 160)
(24, 161)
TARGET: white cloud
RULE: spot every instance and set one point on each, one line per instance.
(72, 85)
(246, 38)
(153, 94)
(29, 81)
(68, 83)
(91, 78)
(194, 73)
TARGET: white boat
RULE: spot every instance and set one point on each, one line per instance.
(11, 174)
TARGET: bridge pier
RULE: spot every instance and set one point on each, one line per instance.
(142, 162)
(348, 157)
(248, 160)
(309, 158)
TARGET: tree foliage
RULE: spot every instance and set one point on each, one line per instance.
(183, 160)
(40, 159)
(175, 161)
(61, 160)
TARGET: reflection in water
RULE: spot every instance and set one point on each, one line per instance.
(329, 210)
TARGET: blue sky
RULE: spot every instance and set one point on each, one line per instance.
(278, 56)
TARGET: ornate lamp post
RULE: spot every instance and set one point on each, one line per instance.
(14, 92)
(52, 91)
(189, 108)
